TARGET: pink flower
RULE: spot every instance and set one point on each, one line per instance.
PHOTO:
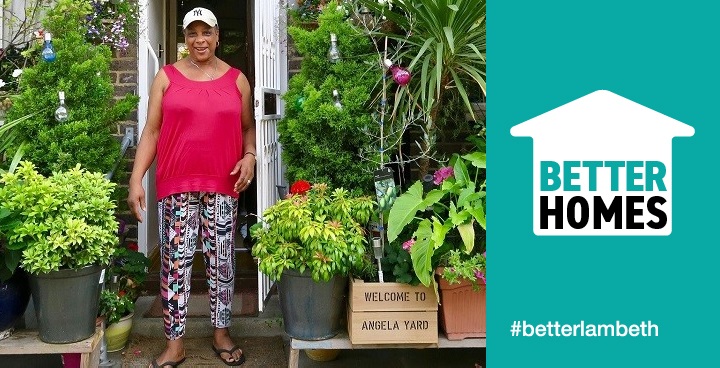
(442, 174)
(408, 244)
(480, 276)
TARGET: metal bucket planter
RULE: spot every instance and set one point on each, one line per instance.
(14, 298)
(311, 310)
(66, 304)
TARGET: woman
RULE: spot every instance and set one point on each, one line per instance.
(201, 127)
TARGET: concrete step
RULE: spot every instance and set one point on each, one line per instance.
(267, 323)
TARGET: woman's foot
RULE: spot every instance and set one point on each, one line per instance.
(226, 349)
(173, 355)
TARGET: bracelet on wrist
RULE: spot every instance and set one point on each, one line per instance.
(250, 153)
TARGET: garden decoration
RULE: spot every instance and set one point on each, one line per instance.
(61, 113)
(48, 51)
(400, 75)
(333, 52)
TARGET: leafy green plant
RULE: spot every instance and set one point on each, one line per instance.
(320, 231)
(82, 71)
(397, 265)
(64, 221)
(127, 271)
(115, 305)
(442, 42)
(306, 10)
(455, 205)
(321, 142)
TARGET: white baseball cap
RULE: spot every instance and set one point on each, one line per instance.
(201, 14)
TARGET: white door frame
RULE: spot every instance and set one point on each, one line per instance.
(271, 76)
(152, 34)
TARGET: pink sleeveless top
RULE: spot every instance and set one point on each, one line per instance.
(201, 135)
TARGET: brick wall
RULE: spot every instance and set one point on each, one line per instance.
(124, 75)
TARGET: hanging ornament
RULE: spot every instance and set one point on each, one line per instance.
(61, 113)
(333, 53)
(299, 103)
(336, 97)
(48, 52)
(400, 75)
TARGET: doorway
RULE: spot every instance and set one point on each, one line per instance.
(237, 49)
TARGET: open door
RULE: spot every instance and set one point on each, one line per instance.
(150, 59)
(270, 83)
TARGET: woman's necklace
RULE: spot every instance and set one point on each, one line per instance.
(212, 77)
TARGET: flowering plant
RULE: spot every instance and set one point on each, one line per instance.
(471, 269)
(123, 280)
(319, 230)
(455, 206)
(115, 305)
(112, 23)
(300, 187)
(128, 270)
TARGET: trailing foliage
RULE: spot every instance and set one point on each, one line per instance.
(320, 142)
(82, 71)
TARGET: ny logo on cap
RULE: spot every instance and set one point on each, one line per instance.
(197, 12)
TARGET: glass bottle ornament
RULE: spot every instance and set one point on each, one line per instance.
(333, 53)
(61, 113)
(299, 103)
(336, 97)
(48, 52)
(400, 75)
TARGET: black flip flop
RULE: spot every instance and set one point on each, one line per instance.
(240, 360)
(168, 363)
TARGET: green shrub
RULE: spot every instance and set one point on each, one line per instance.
(321, 143)
(63, 221)
(82, 71)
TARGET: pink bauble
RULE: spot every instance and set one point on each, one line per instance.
(400, 75)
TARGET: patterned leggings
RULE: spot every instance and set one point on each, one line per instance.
(181, 216)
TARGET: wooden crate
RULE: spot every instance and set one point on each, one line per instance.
(391, 313)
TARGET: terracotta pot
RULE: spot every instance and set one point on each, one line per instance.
(462, 310)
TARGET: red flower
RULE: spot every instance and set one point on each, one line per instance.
(133, 246)
(121, 293)
(300, 187)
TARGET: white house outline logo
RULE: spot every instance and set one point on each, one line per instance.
(602, 165)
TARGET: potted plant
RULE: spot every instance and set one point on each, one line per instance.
(67, 233)
(14, 287)
(462, 295)
(123, 284)
(310, 242)
(446, 225)
(456, 205)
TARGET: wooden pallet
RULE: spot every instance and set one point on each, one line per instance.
(27, 342)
